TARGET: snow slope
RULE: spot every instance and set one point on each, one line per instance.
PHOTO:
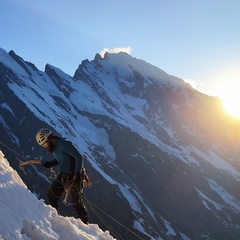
(25, 217)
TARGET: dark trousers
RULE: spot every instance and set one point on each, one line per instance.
(56, 191)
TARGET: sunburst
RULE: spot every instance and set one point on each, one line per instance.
(229, 91)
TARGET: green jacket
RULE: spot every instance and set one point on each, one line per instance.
(68, 157)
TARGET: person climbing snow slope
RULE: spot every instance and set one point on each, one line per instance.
(70, 162)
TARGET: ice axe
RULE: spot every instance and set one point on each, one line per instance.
(22, 164)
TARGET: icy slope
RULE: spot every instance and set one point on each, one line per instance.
(23, 216)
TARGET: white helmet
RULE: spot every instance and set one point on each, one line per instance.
(42, 135)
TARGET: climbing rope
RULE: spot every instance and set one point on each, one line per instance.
(105, 223)
(94, 208)
(21, 156)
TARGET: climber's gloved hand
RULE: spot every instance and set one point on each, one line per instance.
(46, 164)
(49, 164)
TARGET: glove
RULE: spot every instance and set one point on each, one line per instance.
(46, 164)
(77, 178)
(50, 164)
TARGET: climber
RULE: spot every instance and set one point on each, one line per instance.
(70, 163)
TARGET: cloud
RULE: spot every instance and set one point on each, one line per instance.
(203, 87)
(193, 83)
(116, 50)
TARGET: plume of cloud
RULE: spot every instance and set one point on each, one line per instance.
(200, 86)
(116, 50)
(193, 83)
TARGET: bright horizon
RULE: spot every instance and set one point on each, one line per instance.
(196, 41)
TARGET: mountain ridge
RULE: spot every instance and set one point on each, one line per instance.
(154, 146)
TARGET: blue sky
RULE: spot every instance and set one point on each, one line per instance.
(196, 40)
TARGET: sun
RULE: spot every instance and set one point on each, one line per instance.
(229, 91)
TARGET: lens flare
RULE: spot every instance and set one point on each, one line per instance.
(229, 91)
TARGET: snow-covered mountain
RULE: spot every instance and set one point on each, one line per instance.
(163, 158)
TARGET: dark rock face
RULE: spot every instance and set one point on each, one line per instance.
(163, 158)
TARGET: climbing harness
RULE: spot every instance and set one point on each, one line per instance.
(85, 182)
